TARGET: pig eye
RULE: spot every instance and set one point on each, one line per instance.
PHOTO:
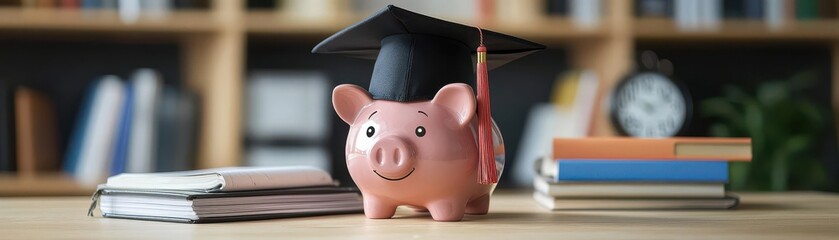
(370, 131)
(420, 131)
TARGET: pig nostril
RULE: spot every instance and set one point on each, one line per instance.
(379, 156)
(397, 157)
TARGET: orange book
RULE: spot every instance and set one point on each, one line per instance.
(688, 148)
(37, 142)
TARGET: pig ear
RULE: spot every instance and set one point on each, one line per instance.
(459, 99)
(348, 99)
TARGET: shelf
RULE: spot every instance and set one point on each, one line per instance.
(269, 22)
(109, 21)
(745, 30)
(549, 30)
(45, 184)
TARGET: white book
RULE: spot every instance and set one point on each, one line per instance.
(586, 13)
(710, 14)
(156, 8)
(99, 142)
(552, 203)
(129, 10)
(774, 13)
(141, 149)
(627, 189)
(687, 14)
(457, 10)
(198, 207)
(224, 179)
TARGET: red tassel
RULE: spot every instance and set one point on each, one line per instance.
(487, 173)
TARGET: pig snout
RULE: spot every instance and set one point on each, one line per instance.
(391, 158)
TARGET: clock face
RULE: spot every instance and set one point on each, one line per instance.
(649, 105)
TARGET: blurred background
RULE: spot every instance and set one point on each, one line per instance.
(114, 86)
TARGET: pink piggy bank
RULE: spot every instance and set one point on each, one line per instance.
(422, 154)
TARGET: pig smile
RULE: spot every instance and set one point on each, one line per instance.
(394, 179)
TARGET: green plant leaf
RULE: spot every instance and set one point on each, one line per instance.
(772, 93)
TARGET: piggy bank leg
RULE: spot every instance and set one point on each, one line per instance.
(376, 208)
(447, 210)
(478, 206)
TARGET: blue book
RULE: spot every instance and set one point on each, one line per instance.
(753, 9)
(123, 133)
(642, 170)
(80, 130)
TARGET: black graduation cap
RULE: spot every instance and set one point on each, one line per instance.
(416, 55)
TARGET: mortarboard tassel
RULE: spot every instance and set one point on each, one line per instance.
(487, 173)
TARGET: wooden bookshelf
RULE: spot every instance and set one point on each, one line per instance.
(549, 30)
(739, 30)
(177, 22)
(213, 44)
(276, 23)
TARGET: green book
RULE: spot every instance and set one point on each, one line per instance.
(806, 9)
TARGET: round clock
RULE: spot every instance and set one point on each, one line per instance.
(649, 104)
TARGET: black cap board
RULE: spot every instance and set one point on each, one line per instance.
(416, 55)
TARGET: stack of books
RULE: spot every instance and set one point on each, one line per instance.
(222, 195)
(635, 173)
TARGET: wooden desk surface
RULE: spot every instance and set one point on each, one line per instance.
(513, 215)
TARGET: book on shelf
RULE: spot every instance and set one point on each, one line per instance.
(586, 13)
(120, 157)
(628, 189)
(8, 161)
(637, 170)
(742, 9)
(556, 7)
(778, 13)
(142, 149)
(807, 9)
(753, 9)
(148, 5)
(80, 130)
(827, 8)
(654, 8)
(95, 151)
(37, 136)
(176, 128)
(262, 4)
(552, 203)
(684, 148)
(224, 179)
(692, 15)
(224, 194)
